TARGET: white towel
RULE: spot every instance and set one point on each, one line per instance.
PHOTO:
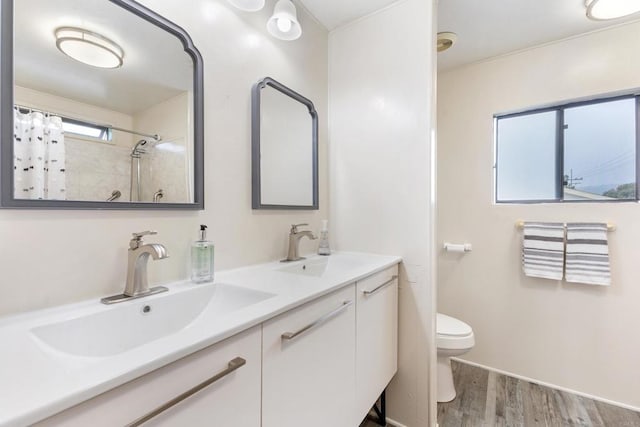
(543, 249)
(588, 254)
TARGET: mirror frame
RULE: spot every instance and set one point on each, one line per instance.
(7, 199)
(256, 202)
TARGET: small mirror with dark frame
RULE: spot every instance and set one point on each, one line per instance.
(102, 107)
(284, 146)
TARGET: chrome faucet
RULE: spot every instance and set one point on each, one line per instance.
(137, 283)
(294, 242)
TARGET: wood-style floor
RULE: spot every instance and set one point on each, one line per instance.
(490, 399)
(369, 423)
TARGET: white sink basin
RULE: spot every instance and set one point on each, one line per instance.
(313, 267)
(110, 330)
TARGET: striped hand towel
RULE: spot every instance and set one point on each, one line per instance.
(543, 249)
(588, 254)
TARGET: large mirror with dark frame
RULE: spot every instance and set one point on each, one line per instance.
(102, 107)
(284, 148)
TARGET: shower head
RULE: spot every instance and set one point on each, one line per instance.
(139, 148)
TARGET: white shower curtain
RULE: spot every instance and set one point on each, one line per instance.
(38, 156)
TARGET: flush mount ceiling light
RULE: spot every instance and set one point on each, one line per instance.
(248, 5)
(88, 47)
(602, 10)
(446, 40)
(284, 24)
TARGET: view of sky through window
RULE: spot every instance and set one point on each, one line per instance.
(600, 149)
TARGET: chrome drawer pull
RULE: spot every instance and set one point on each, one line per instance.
(320, 321)
(232, 366)
(388, 282)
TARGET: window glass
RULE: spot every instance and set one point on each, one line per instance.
(86, 129)
(526, 167)
(600, 151)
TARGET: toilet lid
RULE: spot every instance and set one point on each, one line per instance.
(447, 325)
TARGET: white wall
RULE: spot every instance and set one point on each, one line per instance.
(577, 336)
(380, 97)
(55, 257)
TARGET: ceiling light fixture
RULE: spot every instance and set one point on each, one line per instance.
(284, 24)
(446, 40)
(602, 10)
(88, 47)
(248, 5)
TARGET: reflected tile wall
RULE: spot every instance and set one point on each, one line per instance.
(166, 170)
(95, 170)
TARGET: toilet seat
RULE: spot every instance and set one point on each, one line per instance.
(453, 334)
(447, 325)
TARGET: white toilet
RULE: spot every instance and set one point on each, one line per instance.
(454, 338)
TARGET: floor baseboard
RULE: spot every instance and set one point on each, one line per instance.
(542, 383)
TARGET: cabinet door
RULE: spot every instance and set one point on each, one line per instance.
(308, 364)
(232, 400)
(377, 336)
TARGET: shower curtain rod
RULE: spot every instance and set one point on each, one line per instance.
(133, 132)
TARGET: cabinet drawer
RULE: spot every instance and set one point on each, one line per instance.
(378, 281)
(233, 399)
(377, 336)
(308, 364)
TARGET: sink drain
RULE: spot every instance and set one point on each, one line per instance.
(146, 309)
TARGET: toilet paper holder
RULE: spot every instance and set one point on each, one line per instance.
(457, 247)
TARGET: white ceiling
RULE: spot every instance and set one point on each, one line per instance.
(334, 13)
(488, 28)
(155, 67)
(485, 28)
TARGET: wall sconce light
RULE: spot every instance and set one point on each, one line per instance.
(88, 47)
(602, 10)
(248, 5)
(284, 24)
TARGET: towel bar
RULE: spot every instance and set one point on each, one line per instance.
(610, 226)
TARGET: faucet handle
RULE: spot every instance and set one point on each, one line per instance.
(137, 238)
(294, 227)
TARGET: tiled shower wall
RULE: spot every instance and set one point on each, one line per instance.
(95, 170)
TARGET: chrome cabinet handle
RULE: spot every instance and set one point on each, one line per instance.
(318, 322)
(388, 282)
(232, 366)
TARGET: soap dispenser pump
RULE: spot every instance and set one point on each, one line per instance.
(323, 246)
(202, 258)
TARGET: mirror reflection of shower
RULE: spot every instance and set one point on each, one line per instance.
(158, 195)
(115, 195)
(142, 148)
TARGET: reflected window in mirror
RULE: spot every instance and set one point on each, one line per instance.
(121, 114)
(87, 130)
(284, 148)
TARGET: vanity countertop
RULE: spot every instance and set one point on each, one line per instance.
(37, 381)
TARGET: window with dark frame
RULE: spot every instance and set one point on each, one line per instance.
(583, 151)
(85, 129)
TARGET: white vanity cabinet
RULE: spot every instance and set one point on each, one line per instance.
(321, 363)
(308, 364)
(231, 400)
(377, 336)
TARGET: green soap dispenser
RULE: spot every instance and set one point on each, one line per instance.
(202, 258)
